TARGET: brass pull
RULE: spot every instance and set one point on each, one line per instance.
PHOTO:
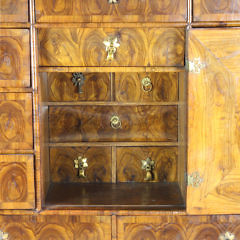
(148, 165)
(78, 79)
(113, 1)
(115, 122)
(227, 236)
(81, 164)
(3, 236)
(111, 45)
(147, 85)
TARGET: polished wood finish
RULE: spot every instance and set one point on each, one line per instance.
(16, 130)
(17, 182)
(14, 57)
(214, 121)
(138, 47)
(164, 87)
(129, 164)
(102, 11)
(99, 164)
(92, 123)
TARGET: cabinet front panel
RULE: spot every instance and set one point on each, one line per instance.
(221, 10)
(56, 227)
(129, 163)
(16, 182)
(16, 131)
(103, 11)
(134, 47)
(13, 11)
(14, 57)
(95, 123)
(99, 160)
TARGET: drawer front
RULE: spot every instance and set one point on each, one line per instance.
(159, 87)
(14, 57)
(103, 11)
(56, 227)
(16, 132)
(113, 123)
(13, 11)
(94, 87)
(134, 47)
(129, 163)
(16, 182)
(99, 160)
(178, 227)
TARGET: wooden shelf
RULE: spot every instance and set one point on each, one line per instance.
(139, 196)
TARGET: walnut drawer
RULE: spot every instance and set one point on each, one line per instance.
(17, 182)
(14, 58)
(56, 227)
(13, 11)
(102, 11)
(85, 47)
(16, 131)
(93, 123)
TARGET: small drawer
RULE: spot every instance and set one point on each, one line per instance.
(146, 87)
(111, 11)
(113, 123)
(14, 57)
(64, 169)
(68, 87)
(129, 164)
(13, 11)
(16, 131)
(127, 47)
(17, 182)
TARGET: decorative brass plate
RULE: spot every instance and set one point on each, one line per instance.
(111, 45)
(81, 164)
(148, 165)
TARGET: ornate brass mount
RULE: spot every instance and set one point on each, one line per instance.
(115, 122)
(147, 85)
(111, 47)
(78, 80)
(3, 236)
(81, 164)
(227, 236)
(113, 1)
(195, 180)
(196, 65)
(148, 165)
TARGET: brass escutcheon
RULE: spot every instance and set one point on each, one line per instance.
(115, 122)
(3, 236)
(147, 85)
(113, 1)
(78, 79)
(81, 164)
(111, 45)
(227, 236)
(148, 165)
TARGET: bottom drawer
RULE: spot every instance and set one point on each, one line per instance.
(17, 182)
(56, 227)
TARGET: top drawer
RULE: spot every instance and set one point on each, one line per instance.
(109, 11)
(13, 11)
(111, 47)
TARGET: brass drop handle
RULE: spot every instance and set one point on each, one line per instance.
(111, 44)
(227, 236)
(148, 165)
(115, 122)
(78, 79)
(147, 85)
(3, 235)
(81, 164)
(113, 1)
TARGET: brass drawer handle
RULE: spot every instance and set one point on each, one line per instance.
(78, 79)
(227, 236)
(81, 164)
(111, 45)
(147, 85)
(3, 235)
(148, 165)
(113, 1)
(115, 122)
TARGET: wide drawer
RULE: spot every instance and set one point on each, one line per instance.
(113, 123)
(14, 57)
(16, 131)
(103, 11)
(17, 182)
(111, 46)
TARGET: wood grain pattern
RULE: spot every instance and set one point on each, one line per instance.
(214, 121)
(221, 10)
(13, 11)
(14, 57)
(177, 227)
(99, 164)
(92, 123)
(165, 87)
(63, 227)
(16, 121)
(138, 47)
(61, 88)
(129, 164)
(102, 11)
(16, 182)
